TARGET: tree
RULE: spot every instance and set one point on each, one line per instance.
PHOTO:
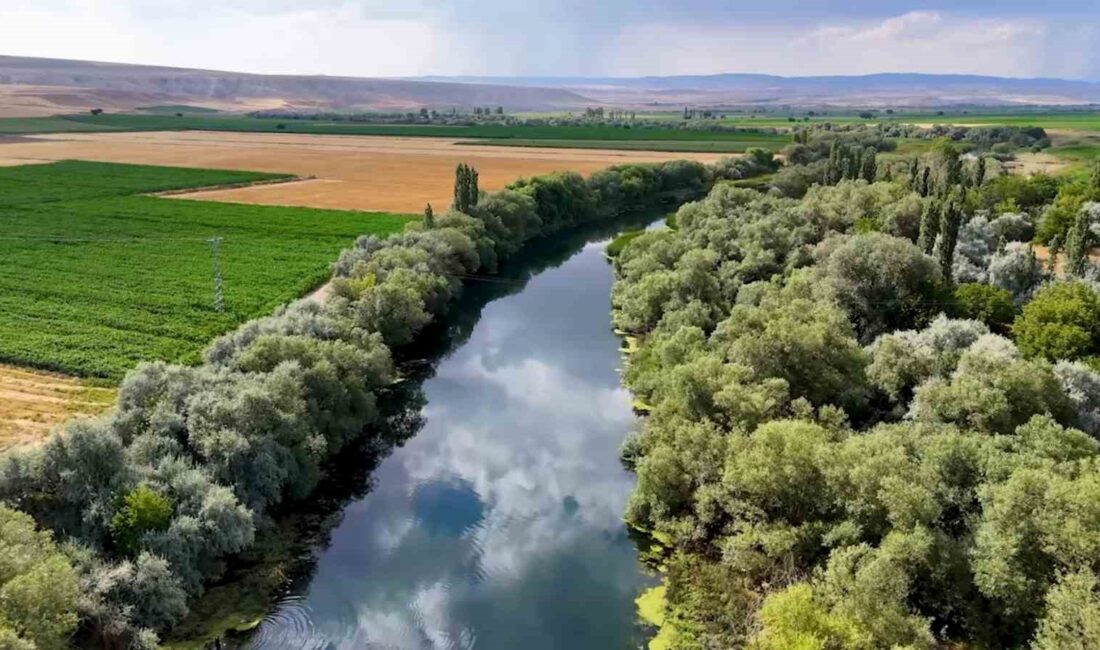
(979, 172)
(466, 190)
(949, 237)
(884, 283)
(1079, 241)
(38, 587)
(142, 511)
(945, 166)
(429, 217)
(1017, 270)
(868, 167)
(1062, 321)
(930, 220)
(988, 304)
(1071, 620)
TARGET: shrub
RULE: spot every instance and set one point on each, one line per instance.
(142, 511)
(38, 587)
(1061, 322)
(884, 283)
(988, 304)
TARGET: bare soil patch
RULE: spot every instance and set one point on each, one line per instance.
(1029, 164)
(348, 172)
(32, 403)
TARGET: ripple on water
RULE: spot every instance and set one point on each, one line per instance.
(288, 625)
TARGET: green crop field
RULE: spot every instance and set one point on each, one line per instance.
(30, 125)
(95, 277)
(775, 142)
(672, 139)
(1064, 120)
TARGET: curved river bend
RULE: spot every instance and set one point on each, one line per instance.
(498, 525)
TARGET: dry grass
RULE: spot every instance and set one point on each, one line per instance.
(347, 172)
(1029, 164)
(32, 403)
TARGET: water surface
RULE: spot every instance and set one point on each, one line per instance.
(498, 525)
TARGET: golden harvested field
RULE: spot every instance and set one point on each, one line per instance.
(345, 172)
(32, 402)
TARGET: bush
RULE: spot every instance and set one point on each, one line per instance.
(1061, 322)
(988, 304)
(142, 511)
(884, 283)
(38, 587)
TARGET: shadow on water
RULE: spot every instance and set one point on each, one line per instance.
(268, 582)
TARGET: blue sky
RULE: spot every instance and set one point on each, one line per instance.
(567, 37)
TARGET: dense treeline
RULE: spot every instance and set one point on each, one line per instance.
(873, 413)
(497, 116)
(152, 499)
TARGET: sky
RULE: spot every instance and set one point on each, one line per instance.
(1016, 38)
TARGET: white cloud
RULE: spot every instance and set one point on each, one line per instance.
(919, 41)
(907, 27)
(548, 37)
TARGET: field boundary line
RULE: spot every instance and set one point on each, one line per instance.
(233, 186)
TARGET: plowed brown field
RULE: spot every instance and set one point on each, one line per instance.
(345, 172)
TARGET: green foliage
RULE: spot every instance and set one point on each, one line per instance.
(38, 587)
(1071, 620)
(658, 137)
(465, 190)
(121, 279)
(950, 221)
(1012, 192)
(194, 458)
(619, 243)
(991, 391)
(1059, 218)
(1061, 322)
(142, 511)
(922, 492)
(883, 283)
(1080, 240)
(988, 304)
(794, 619)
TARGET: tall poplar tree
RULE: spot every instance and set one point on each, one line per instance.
(869, 165)
(949, 237)
(466, 190)
(1078, 242)
(929, 226)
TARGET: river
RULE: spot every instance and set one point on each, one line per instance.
(498, 525)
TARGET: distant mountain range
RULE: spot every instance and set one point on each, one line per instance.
(36, 86)
(48, 86)
(891, 89)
